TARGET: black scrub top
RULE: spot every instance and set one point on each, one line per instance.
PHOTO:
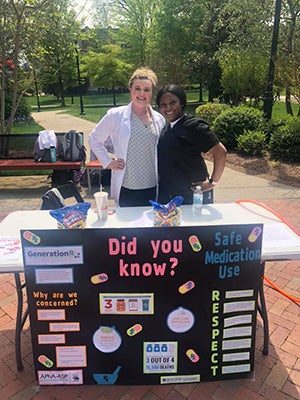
(179, 157)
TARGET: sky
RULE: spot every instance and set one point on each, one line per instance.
(85, 8)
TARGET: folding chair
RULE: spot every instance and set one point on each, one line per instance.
(55, 197)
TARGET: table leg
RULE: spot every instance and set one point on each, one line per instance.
(20, 321)
(262, 309)
(89, 180)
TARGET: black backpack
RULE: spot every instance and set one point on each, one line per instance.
(40, 155)
(51, 200)
(72, 147)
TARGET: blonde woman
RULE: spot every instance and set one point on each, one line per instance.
(134, 132)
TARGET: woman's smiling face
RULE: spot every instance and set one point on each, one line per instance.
(170, 106)
(141, 92)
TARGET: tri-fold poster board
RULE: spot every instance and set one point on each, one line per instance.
(143, 306)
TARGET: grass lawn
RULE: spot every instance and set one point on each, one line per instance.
(95, 106)
(279, 110)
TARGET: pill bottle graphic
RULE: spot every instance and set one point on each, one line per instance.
(149, 348)
(157, 348)
(133, 305)
(164, 347)
(120, 305)
(145, 304)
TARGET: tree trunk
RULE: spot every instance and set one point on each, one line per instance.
(200, 92)
(61, 84)
(288, 104)
(2, 103)
(289, 51)
(114, 95)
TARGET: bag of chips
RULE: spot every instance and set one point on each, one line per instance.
(71, 217)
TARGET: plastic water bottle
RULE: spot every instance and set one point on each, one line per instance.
(197, 201)
(53, 154)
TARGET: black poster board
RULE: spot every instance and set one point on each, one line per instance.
(143, 305)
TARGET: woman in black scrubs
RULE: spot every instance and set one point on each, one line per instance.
(180, 163)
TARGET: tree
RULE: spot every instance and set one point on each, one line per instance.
(289, 56)
(33, 35)
(106, 69)
(232, 25)
(133, 20)
(243, 75)
(157, 34)
(175, 38)
(247, 24)
(212, 34)
(55, 50)
(17, 26)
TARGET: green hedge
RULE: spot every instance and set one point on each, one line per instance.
(210, 111)
(232, 123)
(285, 141)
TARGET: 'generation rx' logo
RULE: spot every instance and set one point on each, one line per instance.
(53, 255)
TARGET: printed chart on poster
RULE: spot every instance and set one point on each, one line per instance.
(143, 306)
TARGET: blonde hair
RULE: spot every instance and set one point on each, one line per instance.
(143, 73)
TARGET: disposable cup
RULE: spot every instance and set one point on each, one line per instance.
(101, 199)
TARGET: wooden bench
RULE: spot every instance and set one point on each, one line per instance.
(16, 153)
(27, 164)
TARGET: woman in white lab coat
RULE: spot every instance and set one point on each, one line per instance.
(134, 132)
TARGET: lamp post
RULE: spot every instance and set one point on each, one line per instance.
(36, 91)
(268, 95)
(82, 112)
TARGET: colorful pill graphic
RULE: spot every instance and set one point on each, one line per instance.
(186, 287)
(192, 355)
(99, 278)
(195, 243)
(254, 235)
(45, 361)
(137, 328)
(31, 237)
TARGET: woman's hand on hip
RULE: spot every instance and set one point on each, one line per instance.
(119, 163)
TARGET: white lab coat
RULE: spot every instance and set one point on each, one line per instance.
(116, 125)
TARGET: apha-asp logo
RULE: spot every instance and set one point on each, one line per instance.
(69, 377)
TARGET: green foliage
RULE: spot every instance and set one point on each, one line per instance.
(22, 112)
(243, 74)
(174, 36)
(252, 143)
(210, 111)
(244, 25)
(231, 123)
(106, 69)
(133, 20)
(37, 37)
(285, 141)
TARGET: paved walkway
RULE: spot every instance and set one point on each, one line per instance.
(277, 376)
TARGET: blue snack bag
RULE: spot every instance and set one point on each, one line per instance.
(71, 217)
